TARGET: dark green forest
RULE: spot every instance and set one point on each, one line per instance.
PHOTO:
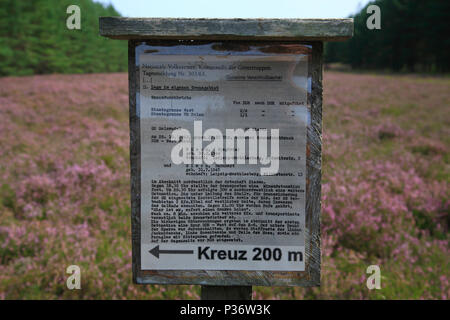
(414, 37)
(34, 39)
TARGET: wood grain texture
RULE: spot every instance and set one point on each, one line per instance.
(135, 162)
(227, 29)
(311, 275)
(314, 167)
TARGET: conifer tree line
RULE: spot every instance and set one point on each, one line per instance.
(34, 39)
(414, 37)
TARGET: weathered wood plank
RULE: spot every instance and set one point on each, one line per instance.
(227, 29)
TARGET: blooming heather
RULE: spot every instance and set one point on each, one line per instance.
(64, 189)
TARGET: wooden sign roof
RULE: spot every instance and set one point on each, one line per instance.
(227, 29)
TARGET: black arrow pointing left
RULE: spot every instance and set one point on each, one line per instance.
(156, 251)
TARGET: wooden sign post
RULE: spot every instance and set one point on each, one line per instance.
(225, 150)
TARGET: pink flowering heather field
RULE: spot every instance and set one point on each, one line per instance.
(64, 197)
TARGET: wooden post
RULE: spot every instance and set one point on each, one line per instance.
(226, 293)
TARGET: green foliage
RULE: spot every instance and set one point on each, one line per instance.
(414, 36)
(34, 39)
(425, 222)
(8, 198)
